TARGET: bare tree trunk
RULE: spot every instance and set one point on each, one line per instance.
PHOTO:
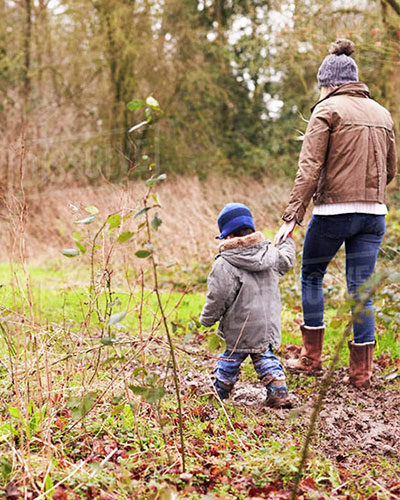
(27, 49)
(391, 20)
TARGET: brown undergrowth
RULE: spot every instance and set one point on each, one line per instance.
(189, 208)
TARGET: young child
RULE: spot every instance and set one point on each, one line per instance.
(243, 295)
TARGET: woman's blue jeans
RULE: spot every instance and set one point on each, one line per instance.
(362, 235)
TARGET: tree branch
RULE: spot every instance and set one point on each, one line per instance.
(395, 5)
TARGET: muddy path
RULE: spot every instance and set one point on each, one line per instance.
(354, 427)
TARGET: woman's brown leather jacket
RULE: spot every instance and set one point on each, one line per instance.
(348, 153)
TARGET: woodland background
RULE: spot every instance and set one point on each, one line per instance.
(233, 78)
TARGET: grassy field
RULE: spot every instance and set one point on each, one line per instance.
(89, 408)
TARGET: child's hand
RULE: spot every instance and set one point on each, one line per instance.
(285, 231)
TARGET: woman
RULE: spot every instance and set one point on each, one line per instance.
(347, 158)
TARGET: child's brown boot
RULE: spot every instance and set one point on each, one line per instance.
(277, 395)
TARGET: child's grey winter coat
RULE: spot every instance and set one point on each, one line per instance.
(243, 292)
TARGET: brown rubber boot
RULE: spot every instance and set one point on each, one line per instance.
(311, 352)
(360, 371)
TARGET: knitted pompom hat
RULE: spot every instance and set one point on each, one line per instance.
(338, 68)
(234, 216)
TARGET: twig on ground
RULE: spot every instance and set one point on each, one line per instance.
(71, 474)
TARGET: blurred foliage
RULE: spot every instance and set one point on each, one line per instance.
(235, 80)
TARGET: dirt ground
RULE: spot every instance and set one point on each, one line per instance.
(354, 428)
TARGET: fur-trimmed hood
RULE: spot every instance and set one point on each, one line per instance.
(240, 242)
(251, 252)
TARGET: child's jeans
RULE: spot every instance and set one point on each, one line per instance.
(266, 364)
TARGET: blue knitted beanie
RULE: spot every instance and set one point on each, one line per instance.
(234, 216)
(339, 67)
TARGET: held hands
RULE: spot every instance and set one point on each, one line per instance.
(285, 230)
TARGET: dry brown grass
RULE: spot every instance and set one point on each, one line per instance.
(189, 210)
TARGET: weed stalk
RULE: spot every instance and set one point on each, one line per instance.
(168, 333)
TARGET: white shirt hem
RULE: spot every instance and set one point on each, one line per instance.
(359, 207)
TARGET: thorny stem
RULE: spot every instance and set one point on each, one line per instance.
(161, 424)
(326, 383)
(141, 322)
(171, 345)
(92, 283)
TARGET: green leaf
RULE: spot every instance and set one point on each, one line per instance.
(156, 180)
(117, 399)
(92, 209)
(107, 340)
(5, 468)
(154, 394)
(48, 485)
(156, 222)
(151, 395)
(87, 402)
(161, 178)
(76, 413)
(132, 406)
(139, 370)
(214, 342)
(336, 323)
(14, 411)
(138, 390)
(142, 211)
(125, 236)
(136, 104)
(153, 103)
(137, 126)
(70, 252)
(156, 199)
(117, 317)
(152, 378)
(73, 403)
(87, 220)
(142, 254)
(76, 236)
(79, 408)
(34, 423)
(114, 221)
(81, 247)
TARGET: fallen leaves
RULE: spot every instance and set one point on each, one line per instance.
(12, 492)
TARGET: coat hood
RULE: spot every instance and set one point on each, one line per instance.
(354, 89)
(251, 253)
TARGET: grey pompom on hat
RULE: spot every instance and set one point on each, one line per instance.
(338, 68)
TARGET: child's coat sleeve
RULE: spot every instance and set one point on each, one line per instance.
(222, 290)
(287, 256)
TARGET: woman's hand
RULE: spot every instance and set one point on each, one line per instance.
(285, 230)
